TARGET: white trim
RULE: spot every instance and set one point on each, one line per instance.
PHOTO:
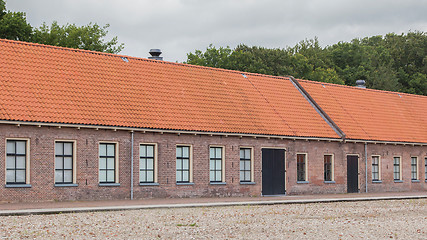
(379, 167)
(400, 168)
(418, 170)
(305, 165)
(190, 163)
(116, 167)
(252, 163)
(222, 162)
(332, 167)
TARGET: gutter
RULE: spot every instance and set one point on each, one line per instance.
(131, 165)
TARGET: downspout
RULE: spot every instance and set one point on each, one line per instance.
(131, 166)
(366, 167)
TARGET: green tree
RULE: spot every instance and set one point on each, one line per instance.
(13, 25)
(89, 37)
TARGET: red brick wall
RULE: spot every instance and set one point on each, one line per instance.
(87, 141)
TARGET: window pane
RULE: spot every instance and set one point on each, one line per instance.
(242, 153)
(185, 176)
(185, 164)
(247, 153)
(218, 153)
(211, 165)
(102, 163)
(178, 176)
(58, 163)
(102, 176)
(142, 151)
(218, 165)
(102, 149)
(150, 176)
(212, 152)
(179, 164)
(247, 176)
(178, 152)
(20, 147)
(11, 147)
(150, 151)
(58, 176)
(110, 176)
(68, 176)
(150, 163)
(242, 176)
(20, 175)
(242, 165)
(218, 176)
(68, 149)
(110, 150)
(212, 176)
(68, 163)
(185, 152)
(247, 165)
(142, 175)
(59, 149)
(110, 163)
(10, 163)
(142, 164)
(10, 176)
(20, 162)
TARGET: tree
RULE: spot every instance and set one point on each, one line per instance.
(14, 26)
(89, 37)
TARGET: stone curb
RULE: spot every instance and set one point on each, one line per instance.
(22, 212)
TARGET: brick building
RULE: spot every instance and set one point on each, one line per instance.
(78, 125)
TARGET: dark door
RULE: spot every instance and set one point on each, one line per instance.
(352, 174)
(273, 171)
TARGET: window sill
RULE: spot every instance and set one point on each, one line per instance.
(66, 185)
(149, 184)
(109, 184)
(185, 184)
(415, 181)
(18, 185)
(377, 181)
(217, 183)
(398, 181)
(302, 182)
(329, 182)
(247, 183)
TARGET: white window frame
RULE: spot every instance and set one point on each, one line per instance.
(74, 142)
(155, 163)
(400, 168)
(379, 167)
(27, 160)
(116, 162)
(305, 166)
(252, 164)
(190, 149)
(222, 163)
(417, 170)
(332, 167)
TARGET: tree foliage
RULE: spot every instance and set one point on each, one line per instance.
(14, 25)
(392, 62)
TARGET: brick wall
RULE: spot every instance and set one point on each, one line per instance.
(87, 140)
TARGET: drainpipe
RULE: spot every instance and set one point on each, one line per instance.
(131, 166)
(366, 167)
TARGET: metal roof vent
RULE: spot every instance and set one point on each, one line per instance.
(360, 83)
(155, 54)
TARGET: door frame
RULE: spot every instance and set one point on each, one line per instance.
(286, 168)
(358, 170)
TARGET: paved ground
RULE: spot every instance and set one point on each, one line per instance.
(391, 219)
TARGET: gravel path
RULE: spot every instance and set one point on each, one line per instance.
(401, 219)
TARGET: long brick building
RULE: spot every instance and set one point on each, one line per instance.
(78, 125)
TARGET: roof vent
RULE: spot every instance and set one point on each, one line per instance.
(155, 54)
(360, 83)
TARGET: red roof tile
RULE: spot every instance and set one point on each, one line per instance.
(52, 84)
(372, 114)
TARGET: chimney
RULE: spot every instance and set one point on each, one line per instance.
(360, 83)
(155, 54)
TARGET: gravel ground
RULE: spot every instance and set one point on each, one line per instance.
(402, 219)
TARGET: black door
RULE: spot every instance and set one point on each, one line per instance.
(273, 171)
(352, 174)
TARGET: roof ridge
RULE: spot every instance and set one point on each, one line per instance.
(362, 89)
(139, 58)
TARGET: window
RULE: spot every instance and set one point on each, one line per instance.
(375, 168)
(64, 162)
(146, 163)
(328, 168)
(107, 163)
(245, 165)
(301, 167)
(425, 174)
(16, 162)
(215, 164)
(183, 164)
(396, 169)
(414, 168)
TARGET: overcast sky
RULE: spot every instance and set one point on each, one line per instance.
(181, 26)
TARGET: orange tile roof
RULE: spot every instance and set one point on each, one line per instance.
(60, 85)
(372, 114)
